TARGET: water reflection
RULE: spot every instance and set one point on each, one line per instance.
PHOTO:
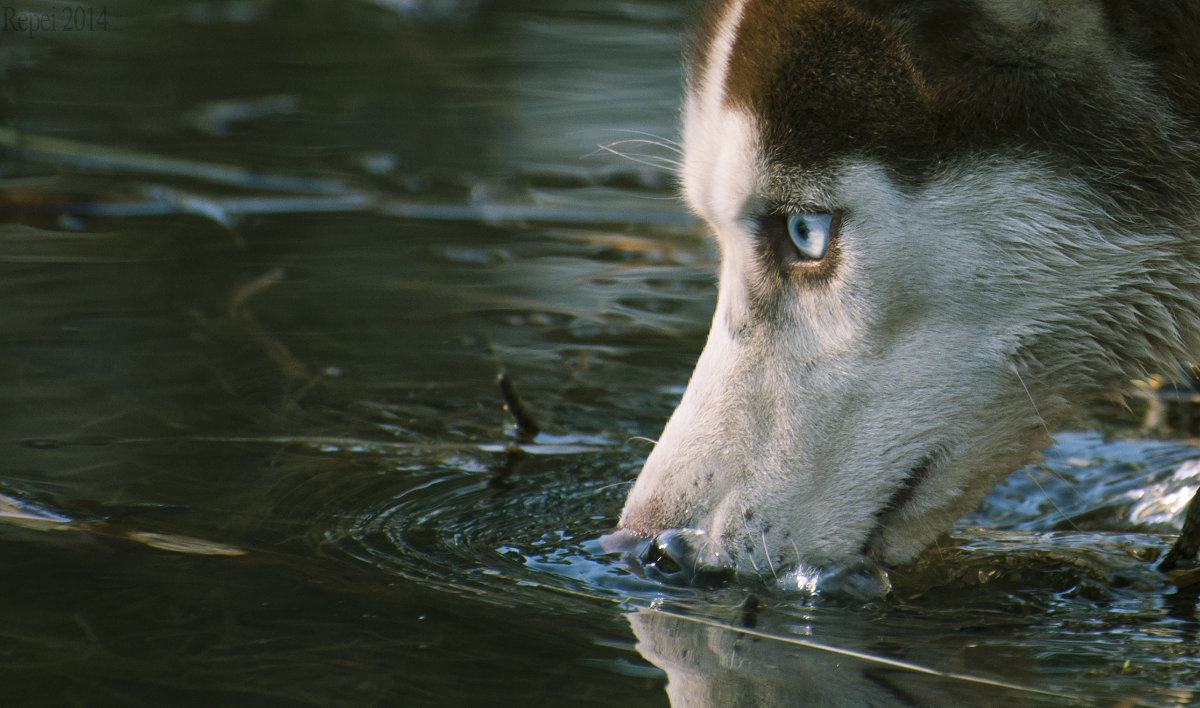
(711, 664)
(998, 615)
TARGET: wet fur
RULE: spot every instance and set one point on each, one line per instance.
(1020, 187)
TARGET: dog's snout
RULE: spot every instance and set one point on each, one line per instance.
(679, 556)
(686, 557)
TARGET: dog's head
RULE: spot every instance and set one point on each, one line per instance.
(941, 225)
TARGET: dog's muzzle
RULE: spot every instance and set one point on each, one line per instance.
(690, 557)
(677, 556)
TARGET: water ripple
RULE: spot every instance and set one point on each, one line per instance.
(502, 522)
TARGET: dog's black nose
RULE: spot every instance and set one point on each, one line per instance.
(686, 557)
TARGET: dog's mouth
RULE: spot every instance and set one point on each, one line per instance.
(900, 498)
(691, 558)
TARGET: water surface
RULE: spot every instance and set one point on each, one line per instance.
(262, 263)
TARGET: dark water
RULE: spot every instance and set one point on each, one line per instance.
(261, 263)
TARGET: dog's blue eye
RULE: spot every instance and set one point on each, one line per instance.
(811, 234)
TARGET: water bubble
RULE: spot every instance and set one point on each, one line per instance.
(859, 581)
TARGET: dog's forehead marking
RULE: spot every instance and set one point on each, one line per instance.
(720, 156)
(712, 48)
(823, 80)
(919, 84)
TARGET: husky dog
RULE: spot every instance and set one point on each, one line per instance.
(942, 224)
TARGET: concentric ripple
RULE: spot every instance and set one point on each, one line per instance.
(504, 524)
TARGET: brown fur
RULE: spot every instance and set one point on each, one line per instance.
(916, 84)
(708, 18)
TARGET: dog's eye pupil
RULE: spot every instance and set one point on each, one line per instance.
(810, 233)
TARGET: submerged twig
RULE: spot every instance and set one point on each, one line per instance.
(100, 157)
(286, 193)
(527, 426)
(19, 512)
(292, 368)
(514, 460)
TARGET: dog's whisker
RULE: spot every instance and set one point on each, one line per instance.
(767, 553)
(672, 145)
(652, 143)
(657, 162)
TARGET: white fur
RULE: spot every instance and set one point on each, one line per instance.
(721, 169)
(704, 114)
(961, 322)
